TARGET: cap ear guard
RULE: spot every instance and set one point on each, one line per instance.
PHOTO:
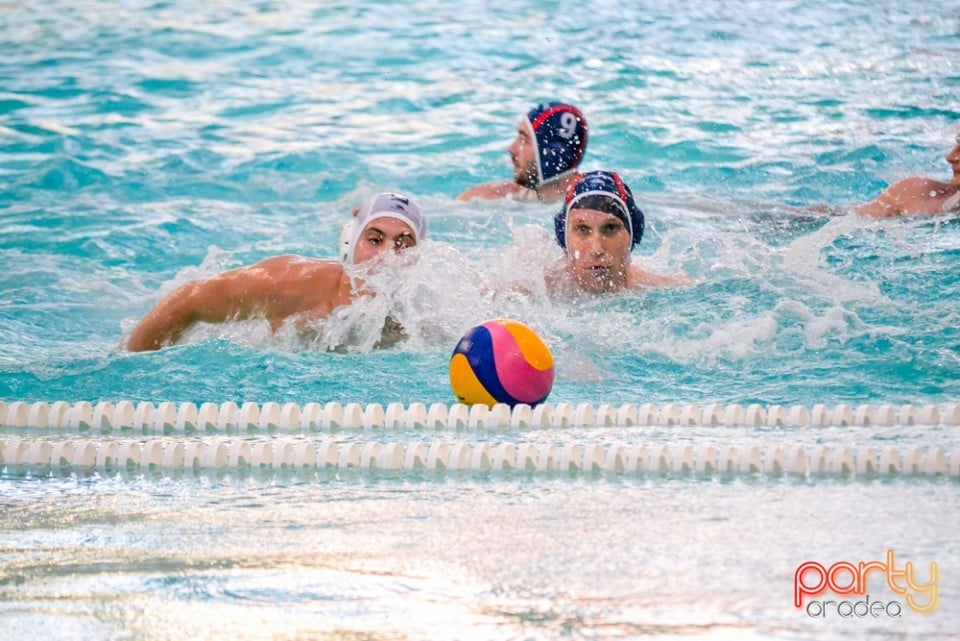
(560, 227)
(636, 219)
(346, 233)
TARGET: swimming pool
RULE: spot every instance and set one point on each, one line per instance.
(145, 144)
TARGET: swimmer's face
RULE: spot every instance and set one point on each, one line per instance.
(598, 250)
(383, 235)
(954, 159)
(524, 157)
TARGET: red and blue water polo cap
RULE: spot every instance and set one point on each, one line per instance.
(602, 191)
(560, 138)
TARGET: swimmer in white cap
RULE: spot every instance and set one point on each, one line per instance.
(550, 143)
(284, 286)
(919, 195)
(358, 239)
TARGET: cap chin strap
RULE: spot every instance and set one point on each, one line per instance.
(536, 152)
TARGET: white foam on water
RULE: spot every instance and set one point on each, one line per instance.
(749, 295)
(438, 292)
(802, 258)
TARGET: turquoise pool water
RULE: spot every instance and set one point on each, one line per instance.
(143, 144)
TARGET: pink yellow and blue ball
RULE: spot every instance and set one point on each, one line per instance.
(501, 361)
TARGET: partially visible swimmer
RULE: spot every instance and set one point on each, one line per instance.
(283, 287)
(598, 228)
(919, 195)
(551, 141)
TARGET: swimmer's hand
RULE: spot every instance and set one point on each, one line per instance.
(391, 334)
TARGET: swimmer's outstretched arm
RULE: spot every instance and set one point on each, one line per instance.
(231, 295)
(275, 288)
(875, 209)
(491, 191)
(646, 279)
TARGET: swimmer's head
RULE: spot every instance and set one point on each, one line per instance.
(954, 159)
(386, 221)
(602, 191)
(557, 133)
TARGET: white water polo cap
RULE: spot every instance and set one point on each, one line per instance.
(385, 205)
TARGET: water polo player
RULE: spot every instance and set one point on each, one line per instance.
(285, 286)
(550, 143)
(919, 195)
(598, 227)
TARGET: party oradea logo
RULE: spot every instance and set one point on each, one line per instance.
(812, 581)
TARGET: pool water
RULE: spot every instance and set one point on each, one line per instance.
(145, 144)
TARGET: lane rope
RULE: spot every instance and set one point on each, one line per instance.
(168, 417)
(40, 456)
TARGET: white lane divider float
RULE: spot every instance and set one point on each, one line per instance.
(187, 418)
(174, 454)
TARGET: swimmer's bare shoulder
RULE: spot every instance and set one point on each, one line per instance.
(288, 285)
(908, 196)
